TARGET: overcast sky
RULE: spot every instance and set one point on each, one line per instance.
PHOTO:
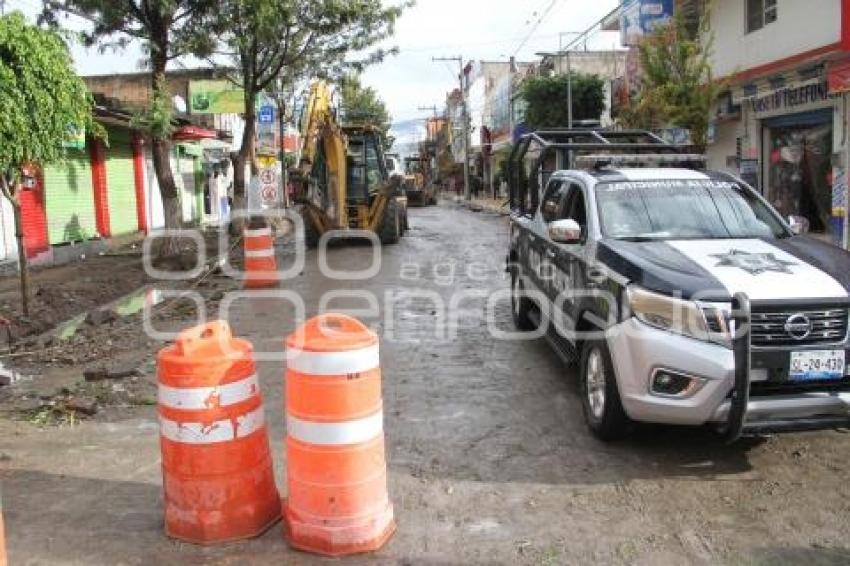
(476, 29)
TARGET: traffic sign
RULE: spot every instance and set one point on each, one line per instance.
(269, 194)
(266, 115)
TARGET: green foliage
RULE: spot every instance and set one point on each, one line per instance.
(362, 105)
(168, 29)
(284, 41)
(547, 100)
(677, 87)
(41, 98)
(158, 118)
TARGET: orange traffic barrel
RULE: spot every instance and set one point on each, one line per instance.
(3, 559)
(337, 501)
(260, 264)
(217, 471)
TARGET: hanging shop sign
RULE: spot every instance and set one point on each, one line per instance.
(215, 97)
(639, 18)
(839, 77)
(790, 98)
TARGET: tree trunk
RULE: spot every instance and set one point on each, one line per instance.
(23, 263)
(246, 151)
(241, 158)
(168, 246)
(9, 187)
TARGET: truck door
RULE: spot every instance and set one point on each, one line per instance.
(542, 254)
(569, 261)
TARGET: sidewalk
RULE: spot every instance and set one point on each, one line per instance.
(493, 206)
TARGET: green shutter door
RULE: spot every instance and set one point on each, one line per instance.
(69, 199)
(121, 184)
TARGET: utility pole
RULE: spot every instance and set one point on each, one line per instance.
(467, 191)
(561, 53)
(280, 99)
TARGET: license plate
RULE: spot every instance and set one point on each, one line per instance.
(817, 365)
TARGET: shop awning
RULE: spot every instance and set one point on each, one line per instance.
(193, 133)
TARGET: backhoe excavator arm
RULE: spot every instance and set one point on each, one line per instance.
(322, 169)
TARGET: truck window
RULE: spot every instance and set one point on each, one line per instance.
(552, 206)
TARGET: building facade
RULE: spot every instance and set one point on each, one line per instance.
(783, 125)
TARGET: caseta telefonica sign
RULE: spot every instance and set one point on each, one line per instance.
(791, 97)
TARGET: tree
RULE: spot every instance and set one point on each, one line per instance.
(363, 105)
(42, 103)
(677, 86)
(168, 30)
(547, 100)
(274, 43)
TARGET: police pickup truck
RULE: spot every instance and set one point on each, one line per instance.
(682, 294)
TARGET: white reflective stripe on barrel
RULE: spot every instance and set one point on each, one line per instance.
(197, 398)
(258, 232)
(334, 434)
(210, 433)
(333, 363)
(259, 253)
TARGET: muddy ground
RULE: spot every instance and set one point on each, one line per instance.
(488, 456)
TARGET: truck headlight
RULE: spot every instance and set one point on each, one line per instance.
(668, 313)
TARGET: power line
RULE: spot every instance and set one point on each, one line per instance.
(536, 25)
(475, 44)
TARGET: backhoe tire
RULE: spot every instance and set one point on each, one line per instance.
(390, 230)
(311, 234)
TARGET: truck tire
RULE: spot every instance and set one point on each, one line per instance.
(600, 395)
(521, 306)
(311, 234)
(390, 231)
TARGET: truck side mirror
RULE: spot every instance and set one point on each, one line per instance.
(565, 231)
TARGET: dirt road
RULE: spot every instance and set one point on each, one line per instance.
(489, 458)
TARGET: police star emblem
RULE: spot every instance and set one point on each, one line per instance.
(754, 264)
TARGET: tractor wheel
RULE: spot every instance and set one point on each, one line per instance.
(390, 230)
(311, 234)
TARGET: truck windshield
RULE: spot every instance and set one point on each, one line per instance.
(687, 209)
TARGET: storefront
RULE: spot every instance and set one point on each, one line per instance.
(781, 134)
(121, 183)
(69, 199)
(798, 166)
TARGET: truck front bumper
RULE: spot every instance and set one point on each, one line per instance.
(638, 351)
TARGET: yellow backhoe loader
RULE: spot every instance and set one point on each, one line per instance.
(341, 181)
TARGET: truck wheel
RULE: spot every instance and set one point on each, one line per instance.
(600, 395)
(521, 306)
(311, 234)
(391, 226)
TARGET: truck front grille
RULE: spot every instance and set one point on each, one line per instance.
(786, 327)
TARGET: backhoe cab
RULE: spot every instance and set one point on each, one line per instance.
(418, 185)
(342, 181)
